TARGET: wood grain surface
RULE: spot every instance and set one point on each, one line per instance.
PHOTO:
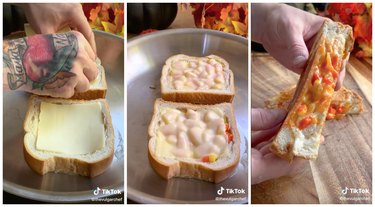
(344, 161)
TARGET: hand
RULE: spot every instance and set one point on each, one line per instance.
(55, 64)
(50, 18)
(287, 34)
(265, 123)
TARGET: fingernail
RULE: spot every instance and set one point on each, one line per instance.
(299, 61)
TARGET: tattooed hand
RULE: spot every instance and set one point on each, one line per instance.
(54, 64)
(50, 18)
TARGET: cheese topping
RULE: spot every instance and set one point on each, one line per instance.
(201, 135)
(197, 74)
(72, 129)
(317, 96)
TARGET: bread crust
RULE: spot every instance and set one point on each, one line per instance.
(283, 144)
(90, 94)
(196, 96)
(68, 164)
(188, 169)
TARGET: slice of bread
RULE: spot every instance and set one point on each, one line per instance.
(43, 160)
(98, 87)
(198, 80)
(344, 102)
(300, 132)
(193, 141)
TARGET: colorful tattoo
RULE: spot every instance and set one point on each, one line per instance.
(41, 61)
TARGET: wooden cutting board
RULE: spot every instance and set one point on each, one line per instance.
(344, 161)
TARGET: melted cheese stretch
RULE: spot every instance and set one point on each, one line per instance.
(191, 134)
(71, 129)
(197, 74)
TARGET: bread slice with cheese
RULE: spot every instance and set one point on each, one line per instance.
(198, 80)
(344, 102)
(98, 87)
(299, 135)
(193, 141)
(68, 136)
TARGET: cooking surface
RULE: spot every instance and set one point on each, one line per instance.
(146, 56)
(20, 180)
(344, 157)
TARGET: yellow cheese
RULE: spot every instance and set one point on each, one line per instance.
(71, 129)
(29, 31)
(163, 148)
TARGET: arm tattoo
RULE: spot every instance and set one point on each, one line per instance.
(41, 61)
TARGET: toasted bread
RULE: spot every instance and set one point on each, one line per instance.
(300, 132)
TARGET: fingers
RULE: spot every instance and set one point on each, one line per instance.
(83, 83)
(80, 24)
(264, 135)
(262, 119)
(270, 166)
(90, 69)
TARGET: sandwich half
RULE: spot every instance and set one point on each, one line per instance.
(300, 132)
(198, 80)
(68, 136)
(193, 141)
(344, 102)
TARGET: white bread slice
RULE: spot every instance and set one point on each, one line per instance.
(98, 87)
(43, 162)
(348, 100)
(198, 95)
(168, 167)
(301, 130)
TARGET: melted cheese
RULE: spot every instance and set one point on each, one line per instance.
(71, 129)
(197, 74)
(191, 134)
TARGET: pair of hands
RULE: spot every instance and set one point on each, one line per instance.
(42, 73)
(287, 34)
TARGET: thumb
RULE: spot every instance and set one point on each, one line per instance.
(262, 119)
(297, 53)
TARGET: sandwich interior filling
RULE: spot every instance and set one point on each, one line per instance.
(201, 135)
(316, 99)
(197, 74)
(71, 129)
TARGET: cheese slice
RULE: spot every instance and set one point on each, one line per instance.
(72, 129)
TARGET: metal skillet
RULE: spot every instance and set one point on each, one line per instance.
(145, 57)
(20, 180)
